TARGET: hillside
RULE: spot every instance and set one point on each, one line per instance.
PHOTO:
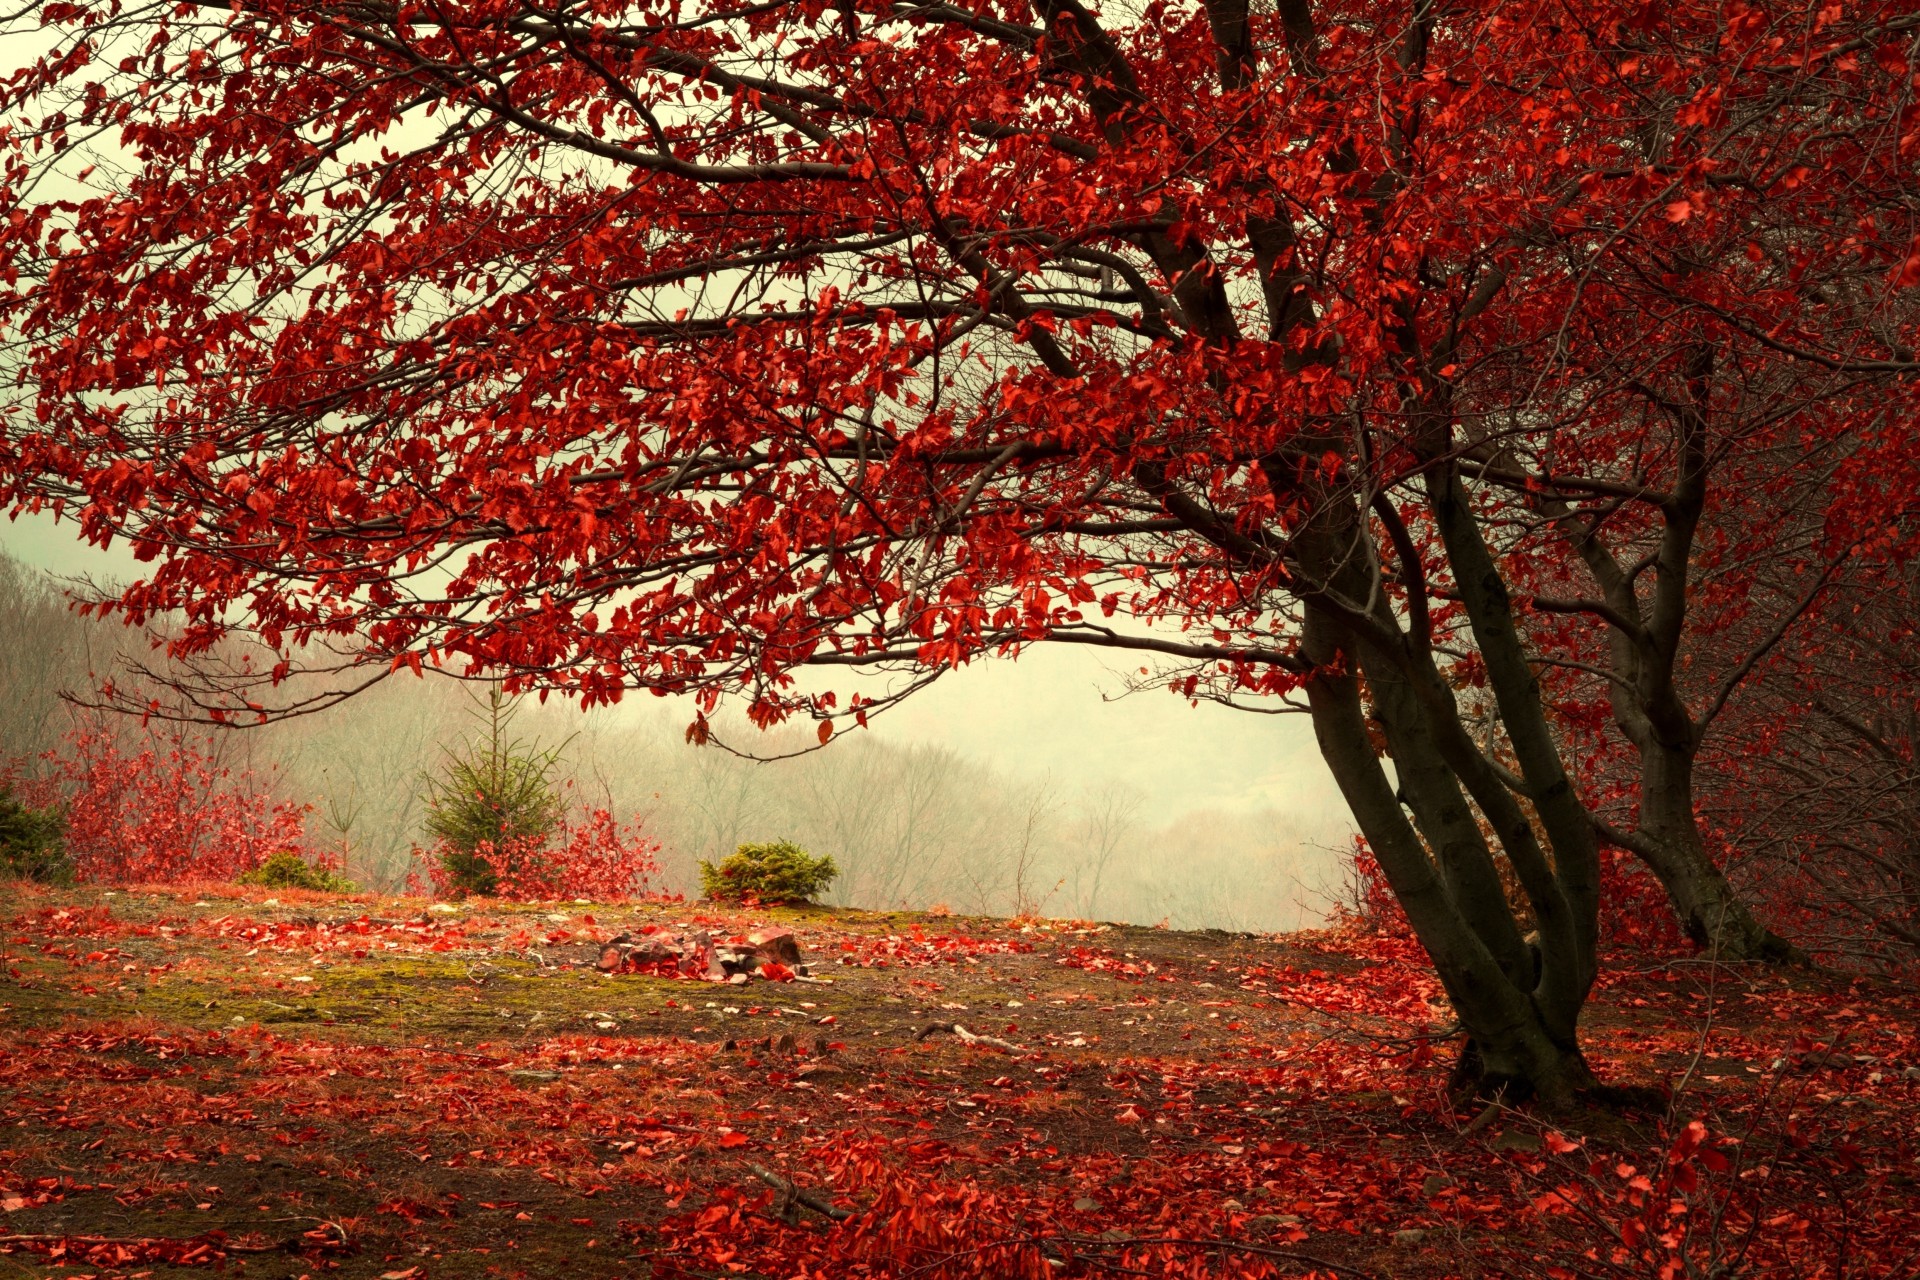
(285, 1085)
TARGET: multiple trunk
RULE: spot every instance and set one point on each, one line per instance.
(1438, 825)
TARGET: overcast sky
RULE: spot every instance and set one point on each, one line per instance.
(1051, 712)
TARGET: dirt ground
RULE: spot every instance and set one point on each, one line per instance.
(298, 1085)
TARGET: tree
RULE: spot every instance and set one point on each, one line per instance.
(494, 805)
(621, 348)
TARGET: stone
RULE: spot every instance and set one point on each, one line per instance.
(613, 955)
(776, 944)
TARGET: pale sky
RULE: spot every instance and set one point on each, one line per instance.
(1044, 714)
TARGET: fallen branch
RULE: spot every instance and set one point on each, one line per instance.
(791, 1195)
(967, 1037)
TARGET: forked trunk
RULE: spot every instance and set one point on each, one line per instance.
(1521, 1019)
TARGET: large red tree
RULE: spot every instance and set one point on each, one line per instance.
(678, 346)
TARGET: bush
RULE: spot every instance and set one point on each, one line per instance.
(589, 855)
(288, 870)
(31, 847)
(166, 813)
(777, 872)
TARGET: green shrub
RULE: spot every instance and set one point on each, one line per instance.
(493, 806)
(31, 847)
(780, 871)
(288, 870)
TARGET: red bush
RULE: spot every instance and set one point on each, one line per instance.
(590, 857)
(165, 813)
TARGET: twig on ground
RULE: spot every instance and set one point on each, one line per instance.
(968, 1037)
(791, 1195)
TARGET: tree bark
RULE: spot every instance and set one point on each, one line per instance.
(1667, 840)
(1522, 1018)
(1522, 1043)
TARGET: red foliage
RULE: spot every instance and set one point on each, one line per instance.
(589, 856)
(1634, 911)
(917, 947)
(1425, 326)
(165, 812)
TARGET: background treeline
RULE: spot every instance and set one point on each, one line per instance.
(909, 824)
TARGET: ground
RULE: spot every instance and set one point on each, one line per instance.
(288, 1085)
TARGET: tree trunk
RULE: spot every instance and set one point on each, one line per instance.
(1522, 1030)
(1667, 840)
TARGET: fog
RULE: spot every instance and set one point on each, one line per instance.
(1000, 791)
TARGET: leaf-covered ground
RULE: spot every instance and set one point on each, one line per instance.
(299, 1085)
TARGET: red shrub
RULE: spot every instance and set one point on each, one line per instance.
(165, 813)
(589, 857)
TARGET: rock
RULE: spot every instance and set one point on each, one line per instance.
(689, 955)
(613, 955)
(776, 944)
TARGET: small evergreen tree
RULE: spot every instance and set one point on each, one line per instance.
(31, 845)
(494, 805)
